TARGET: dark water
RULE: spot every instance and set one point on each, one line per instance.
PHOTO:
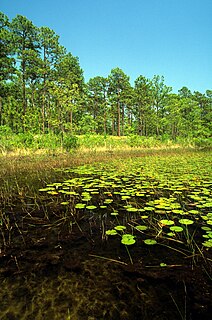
(57, 262)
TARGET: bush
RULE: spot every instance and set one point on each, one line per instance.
(92, 141)
(203, 142)
(47, 141)
(25, 140)
(141, 141)
(5, 130)
(70, 142)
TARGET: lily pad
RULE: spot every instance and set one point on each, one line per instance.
(111, 232)
(120, 228)
(166, 222)
(80, 206)
(128, 239)
(207, 244)
(176, 228)
(91, 207)
(65, 203)
(186, 221)
(150, 241)
(141, 228)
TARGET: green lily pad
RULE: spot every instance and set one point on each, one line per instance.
(207, 244)
(114, 213)
(162, 264)
(132, 209)
(111, 232)
(150, 241)
(176, 228)
(206, 228)
(53, 193)
(80, 206)
(186, 221)
(166, 222)
(141, 228)
(91, 207)
(128, 239)
(120, 228)
(171, 234)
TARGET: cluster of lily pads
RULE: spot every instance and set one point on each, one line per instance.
(147, 199)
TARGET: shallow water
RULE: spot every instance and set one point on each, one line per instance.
(57, 261)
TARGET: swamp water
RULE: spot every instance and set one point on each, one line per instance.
(130, 239)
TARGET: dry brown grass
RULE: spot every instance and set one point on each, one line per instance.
(44, 161)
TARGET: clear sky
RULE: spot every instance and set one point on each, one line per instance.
(172, 38)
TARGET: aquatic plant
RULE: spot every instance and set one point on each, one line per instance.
(160, 198)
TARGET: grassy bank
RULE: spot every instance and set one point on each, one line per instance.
(26, 144)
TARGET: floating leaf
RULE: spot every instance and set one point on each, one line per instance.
(186, 221)
(206, 228)
(125, 197)
(114, 213)
(80, 206)
(128, 239)
(111, 232)
(170, 234)
(52, 192)
(150, 241)
(91, 207)
(166, 222)
(141, 228)
(132, 209)
(108, 201)
(207, 244)
(120, 228)
(176, 228)
(162, 264)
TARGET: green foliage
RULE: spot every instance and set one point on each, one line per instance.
(141, 141)
(70, 142)
(46, 93)
(5, 130)
(203, 142)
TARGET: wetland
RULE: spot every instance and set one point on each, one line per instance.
(121, 238)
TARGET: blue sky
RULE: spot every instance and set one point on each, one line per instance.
(172, 38)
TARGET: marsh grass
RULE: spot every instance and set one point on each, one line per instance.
(162, 185)
(140, 193)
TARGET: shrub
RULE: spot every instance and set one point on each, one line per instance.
(25, 140)
(70, 142)
(203, 142)
(5, 130)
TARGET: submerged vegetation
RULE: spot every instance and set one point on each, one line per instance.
(116, 225)
(164, 198)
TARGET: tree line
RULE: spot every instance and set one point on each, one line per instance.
(42, 90)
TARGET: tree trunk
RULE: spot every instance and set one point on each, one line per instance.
(1, 109)
(71, 120)
(119, 119)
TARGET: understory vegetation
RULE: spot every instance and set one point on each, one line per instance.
(27, 143)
